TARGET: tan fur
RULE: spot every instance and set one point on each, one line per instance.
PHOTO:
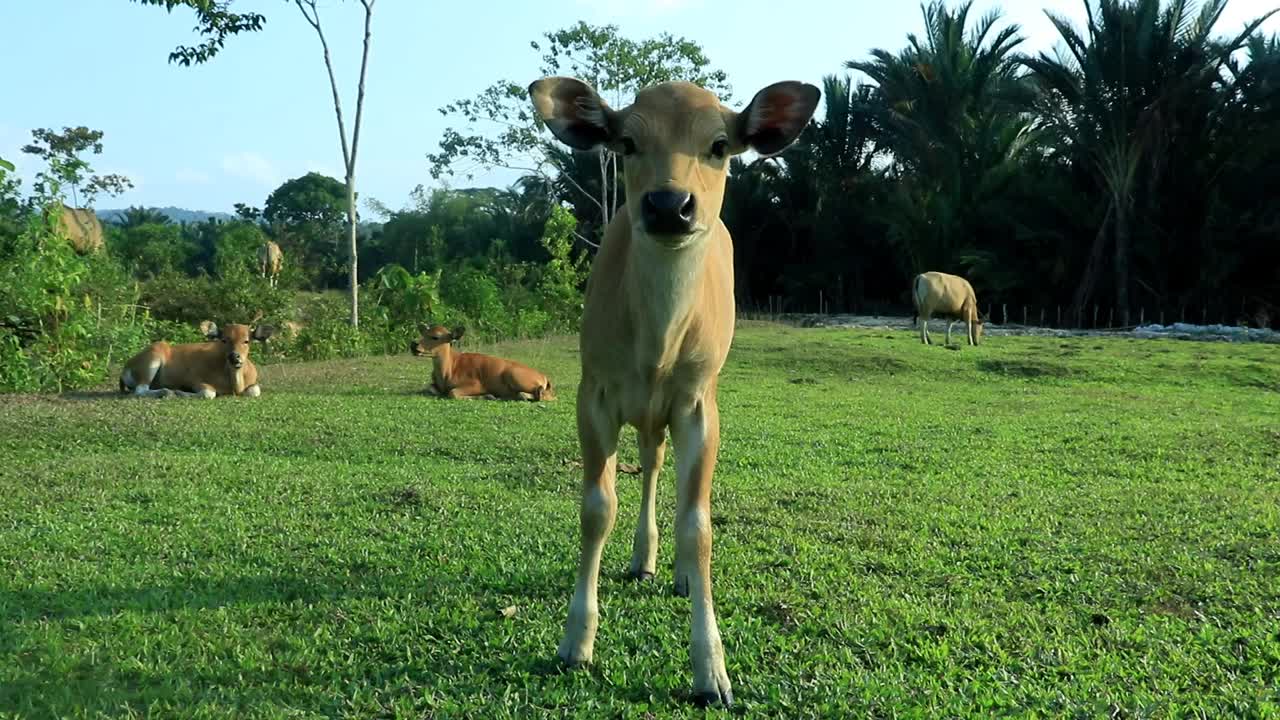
(946, 296)
(270, 260)
(81, 227)
(658, 322)
(197, 369)
(470, 375)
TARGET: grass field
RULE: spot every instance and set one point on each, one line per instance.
(1037, 527)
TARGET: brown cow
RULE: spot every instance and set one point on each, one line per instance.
(472, 375)
(657, 325)
(270, 260)
(204, 370)
(81, 228)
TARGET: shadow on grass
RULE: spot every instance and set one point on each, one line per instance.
(1028, 369)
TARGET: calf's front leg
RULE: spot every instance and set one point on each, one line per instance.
(696, 433)
(598, 438)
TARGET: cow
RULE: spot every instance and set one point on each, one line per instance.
(473, 375)
(946, 296)
(80, 226)
(205, 370)
(270, 260)
(657, 325)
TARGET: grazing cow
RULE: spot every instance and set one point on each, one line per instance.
(472, 375)
(657, 325)
(270, 259)
(204, 370)
(949, 297)
(81, 228)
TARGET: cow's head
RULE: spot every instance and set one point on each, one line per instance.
(235, 339)
(676, 140)
(433, 337)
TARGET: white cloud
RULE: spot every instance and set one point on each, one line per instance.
(189, 176)
(251, 166)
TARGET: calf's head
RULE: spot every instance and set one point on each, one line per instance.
(433, 337)
(676, 140)
(235, 340)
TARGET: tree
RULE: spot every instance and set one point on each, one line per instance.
(216, 22)
(137, 216)
(950, 111)
(308, 213)
(349, 148)
(1113, 101)
(617, 67)
(62, 151)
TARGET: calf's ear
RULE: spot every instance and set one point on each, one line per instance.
(262, 332)
(458, 332)
(210, 330)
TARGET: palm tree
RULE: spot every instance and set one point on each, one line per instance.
(950, 113)
(136, 216)
(1113, 103)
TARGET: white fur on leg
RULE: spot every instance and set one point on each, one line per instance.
(253, 391)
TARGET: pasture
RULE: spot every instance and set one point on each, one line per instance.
(1038, 526)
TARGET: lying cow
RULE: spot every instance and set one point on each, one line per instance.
(204, 370)
(472, 375)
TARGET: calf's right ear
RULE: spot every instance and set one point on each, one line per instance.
(210, 330)
(573, 111)
(262, 332)
(457, 333)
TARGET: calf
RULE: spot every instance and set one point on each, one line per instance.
(204, 370)
(470, 375)
(657, 324)
(947, 296)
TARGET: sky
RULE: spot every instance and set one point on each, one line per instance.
(261, 112)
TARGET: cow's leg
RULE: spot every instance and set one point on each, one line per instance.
(644, 553)
(950, 324)
(598, 438)
(696, 433)
(145, 376)
(252, 391)
(924, 328)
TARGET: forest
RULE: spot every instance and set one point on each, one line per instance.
(1126, 177)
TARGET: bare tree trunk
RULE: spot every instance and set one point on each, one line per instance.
(348, 151)
(604, 188)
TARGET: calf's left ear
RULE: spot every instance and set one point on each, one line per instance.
(457, 333)
(210, 330)
(262, 332)
(776, 115)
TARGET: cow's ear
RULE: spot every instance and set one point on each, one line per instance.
(210, 330)
(262, 332)
(458, 332)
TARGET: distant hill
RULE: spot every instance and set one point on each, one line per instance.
(177, 215)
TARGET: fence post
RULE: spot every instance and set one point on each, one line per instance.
(1041, 316)
(1111, 318)
(1095, 317)
(1142, 316)
(1004, 309)
(1024, 315)
(1059, 316)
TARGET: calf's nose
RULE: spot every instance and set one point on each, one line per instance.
(668, 212)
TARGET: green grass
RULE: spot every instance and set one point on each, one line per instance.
(1038, 527)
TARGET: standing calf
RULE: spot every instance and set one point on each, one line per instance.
(949, 297)
(204, 370)
(657, 324)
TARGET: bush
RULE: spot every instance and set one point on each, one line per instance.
(65, 319)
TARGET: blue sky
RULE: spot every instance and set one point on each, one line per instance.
(232, 130)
